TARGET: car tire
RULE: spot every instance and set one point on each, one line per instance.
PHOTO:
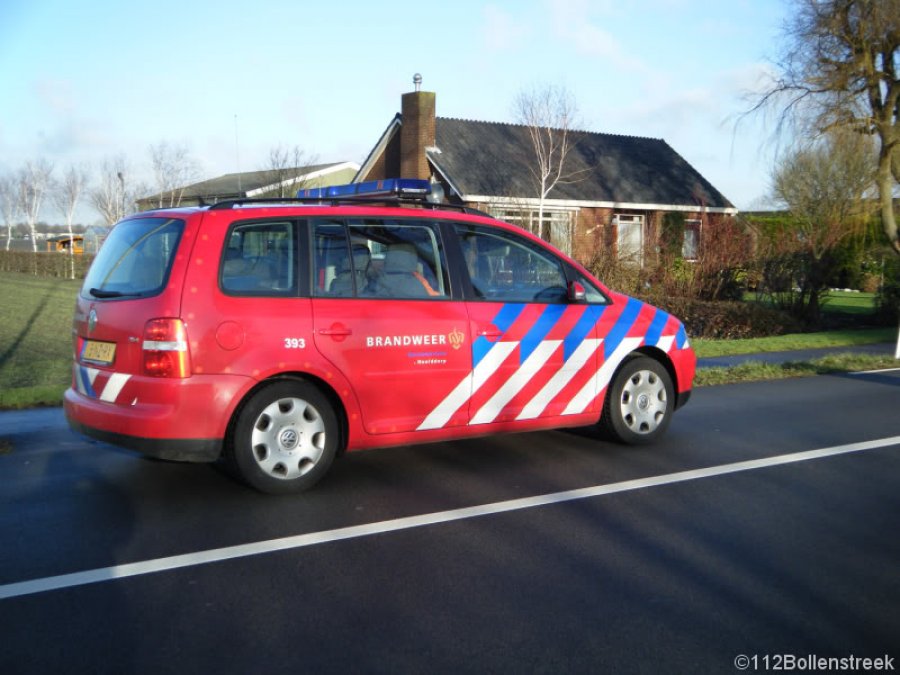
(284, 439)
(639, 402)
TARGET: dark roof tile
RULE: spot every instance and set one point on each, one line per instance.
(496, 159)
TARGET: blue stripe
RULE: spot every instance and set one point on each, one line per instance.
(624, 323)
(507, 316)
(548, 319)
(86, 382)
(582, 329)
(654, 331)
(681, 337)
(504, 319)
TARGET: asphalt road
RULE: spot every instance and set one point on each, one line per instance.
(727, 545)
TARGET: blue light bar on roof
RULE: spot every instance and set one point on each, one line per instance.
(396, 187)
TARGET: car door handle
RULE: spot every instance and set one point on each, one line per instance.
(490, 333)
(336, 330)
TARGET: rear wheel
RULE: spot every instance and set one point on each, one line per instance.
(639, 403)
(285, 438)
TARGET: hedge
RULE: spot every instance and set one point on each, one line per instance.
(44, 264)
(729, 320)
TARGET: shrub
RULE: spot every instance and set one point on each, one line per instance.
(887, 301)
(619, 276)
(728, 319)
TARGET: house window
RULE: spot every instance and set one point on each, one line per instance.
(560, 224)
(690, 249)
(630, 238)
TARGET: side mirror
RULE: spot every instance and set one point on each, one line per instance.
(576, 292)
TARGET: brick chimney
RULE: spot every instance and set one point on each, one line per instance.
(417, 131)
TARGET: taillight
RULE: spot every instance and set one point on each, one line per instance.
(166, 349)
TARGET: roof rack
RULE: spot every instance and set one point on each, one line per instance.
(388, 192)
(409, 188)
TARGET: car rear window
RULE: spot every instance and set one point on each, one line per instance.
(135, 259)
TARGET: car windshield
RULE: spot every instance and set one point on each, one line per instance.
(135, 259)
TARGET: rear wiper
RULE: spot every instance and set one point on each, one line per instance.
(100, 293)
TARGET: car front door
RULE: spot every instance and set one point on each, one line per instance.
(533, 350)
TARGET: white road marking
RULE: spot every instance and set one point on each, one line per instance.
(63, 581)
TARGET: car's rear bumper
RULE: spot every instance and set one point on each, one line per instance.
(184, 420)
(174, 449)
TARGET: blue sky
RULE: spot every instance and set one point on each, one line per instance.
(83, 81)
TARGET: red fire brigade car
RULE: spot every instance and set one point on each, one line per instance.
(275, 336)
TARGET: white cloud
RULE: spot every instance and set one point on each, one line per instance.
(577, 24)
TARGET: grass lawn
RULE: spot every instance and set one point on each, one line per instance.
(783, 343)
(35, 339)
(846, 303)
(849, 303)
(754, 371)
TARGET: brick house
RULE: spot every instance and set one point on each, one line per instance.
(627, 186)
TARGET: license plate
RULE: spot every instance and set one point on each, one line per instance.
(99, 352)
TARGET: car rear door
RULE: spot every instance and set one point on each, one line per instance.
(245, 310)
(384, 315)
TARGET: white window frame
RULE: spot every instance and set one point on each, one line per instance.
(561, 223)
(630, 219)
(696, 226)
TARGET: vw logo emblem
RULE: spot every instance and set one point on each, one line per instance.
(289, 439)
(92, 321)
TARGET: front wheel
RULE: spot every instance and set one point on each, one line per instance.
(285, 438)
(639, 403)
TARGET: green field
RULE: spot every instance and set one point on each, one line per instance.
(35, 339)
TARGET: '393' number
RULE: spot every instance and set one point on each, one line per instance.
(294, 343)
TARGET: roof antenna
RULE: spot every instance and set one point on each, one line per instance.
(237, 156)
(417, 80)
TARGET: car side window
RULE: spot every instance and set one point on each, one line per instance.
(506, 268)
(260, 259)
(335, 273)
(379, 258)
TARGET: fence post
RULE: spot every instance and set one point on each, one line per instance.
(897, 351)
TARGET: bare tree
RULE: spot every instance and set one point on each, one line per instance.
(109, 197)
(840, 68)
(66, 196)
(173, 170)
(549, 112)
(9, 204)
(282, 169)
(34, 181)
(826, 186)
